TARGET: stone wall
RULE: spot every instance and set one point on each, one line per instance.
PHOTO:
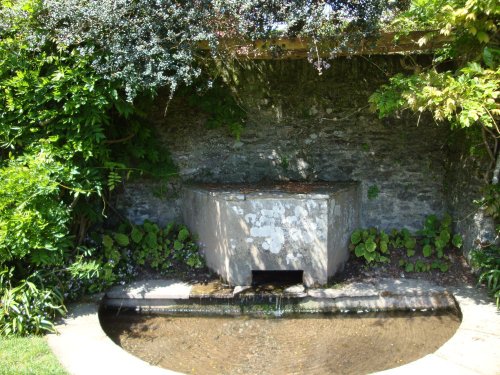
(466, 177)
(308, 127)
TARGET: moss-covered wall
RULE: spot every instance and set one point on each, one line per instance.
(305, 126)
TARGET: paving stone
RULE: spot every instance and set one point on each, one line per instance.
(377, 287)
(140, 303)
(473, 350)
(83, 348)
(298, 291)
(430, 364)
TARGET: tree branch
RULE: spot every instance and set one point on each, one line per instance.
(121, 140)
(486, 144)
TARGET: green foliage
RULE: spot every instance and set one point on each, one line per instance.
(118, 256)
(487, 260)
(34, 220)
(67, 139)
(403, 239)
(148, 245)
(221, 109)
(490, 201)
(147, 44)
(436, 236)
(465, 97)
(27, 308)
(373, 192)
(370, 244)
(433, 241)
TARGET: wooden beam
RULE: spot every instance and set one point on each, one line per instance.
(298, 48)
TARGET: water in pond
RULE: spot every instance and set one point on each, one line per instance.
(351, 344)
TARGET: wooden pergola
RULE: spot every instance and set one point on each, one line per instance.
(299, 48)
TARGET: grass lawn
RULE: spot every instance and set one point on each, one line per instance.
(27, 355)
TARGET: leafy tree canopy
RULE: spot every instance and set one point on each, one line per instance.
(148, 44)
(465, 95)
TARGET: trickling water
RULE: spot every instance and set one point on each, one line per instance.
(278, 312)
(334, 344)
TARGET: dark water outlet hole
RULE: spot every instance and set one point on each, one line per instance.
(277, 277)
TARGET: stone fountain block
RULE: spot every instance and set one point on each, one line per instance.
(290, 226)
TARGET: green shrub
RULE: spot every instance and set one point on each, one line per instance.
(148, 44)
(370, 244)
(431, 241)
(27, 308)
(150, 246)
(487, 260)
(34, 221)
(67, 139)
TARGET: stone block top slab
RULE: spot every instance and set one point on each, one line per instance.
(151, 289)
(311, 190)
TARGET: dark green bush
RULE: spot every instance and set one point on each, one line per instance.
(487, 261)
(148, 245)
(67, 138)
(432, 241)
(26, 308)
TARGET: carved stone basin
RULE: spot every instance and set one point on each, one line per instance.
(279, 227)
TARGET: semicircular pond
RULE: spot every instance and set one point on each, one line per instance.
(318, 344)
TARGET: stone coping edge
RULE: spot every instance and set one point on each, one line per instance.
(309, 305)
(175, 289)
(83, 348)
(241, 192)
(376, 295)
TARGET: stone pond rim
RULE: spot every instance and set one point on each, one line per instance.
(273, 227)
(474, 349)
(383, 295)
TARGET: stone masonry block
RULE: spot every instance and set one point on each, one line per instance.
(281, 227)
